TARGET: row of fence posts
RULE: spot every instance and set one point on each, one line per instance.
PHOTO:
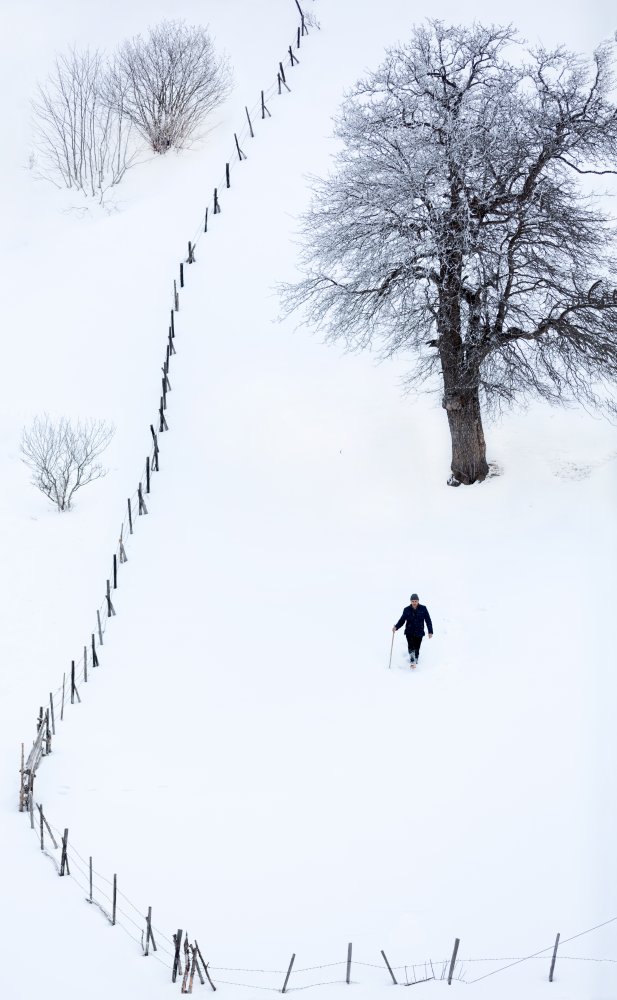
(193, 960)
(46, 720)
(42, 744)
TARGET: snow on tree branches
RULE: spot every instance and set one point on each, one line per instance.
(454, 226)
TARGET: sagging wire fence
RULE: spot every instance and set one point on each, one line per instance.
(183, 958)
(68, 692)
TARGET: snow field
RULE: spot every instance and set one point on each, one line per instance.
(243, 758)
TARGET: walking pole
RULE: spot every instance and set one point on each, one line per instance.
(391, 648)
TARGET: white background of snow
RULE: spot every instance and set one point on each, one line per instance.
(243, 759)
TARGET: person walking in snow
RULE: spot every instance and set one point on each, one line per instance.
(414, 616)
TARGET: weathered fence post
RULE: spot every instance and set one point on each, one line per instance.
(114, 901)
(383, 955)
(95, 659)
(453, 961)
(98, 619)
(554, 959)
(115, 570)
(90, 872)
(264, 110)
(47, 826)
(130, 510)
(176, 297)
(205, 965)
(227, 177)
(248, 117)
(241, 155)
(206, 222)
(62, 706)
(85, 664)
(149, 934)
(64, 861)
(51, 708)
(21, 783)
(217, 207)
(110, 608)
(348, 976)
(191, 257)
(177, 938)
(288, 972)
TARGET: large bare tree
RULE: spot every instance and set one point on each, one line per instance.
(453, 225)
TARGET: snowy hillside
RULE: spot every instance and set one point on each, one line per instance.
(243, 758)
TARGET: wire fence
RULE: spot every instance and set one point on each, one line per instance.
(183, 959)
(176, 952)
(74, 679)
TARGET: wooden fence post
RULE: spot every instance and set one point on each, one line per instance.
(453, 961)
(142, 506)
(110, 608)
(191, 256)
(21, 782)
(241, 155)
(62, 707)
(90, 872)
(205, 965)
(53, 719)
(217, 207)
(177, 938)
(264, 110)
(388, 967)
(288, 972)
(130, 510)
(95, 659)
(64, 861)
(348, 976)
(115, 571)
(554, 959)
(114, 901)
(47, 826)
(85, 664)
(292, 58)
(149, 934)
(250, 122)
(227, 178)
(176, 297)
(72, 682)
(98, 619)
(206, 222)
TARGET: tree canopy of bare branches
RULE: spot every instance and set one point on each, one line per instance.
(81, 141)
(453, 225)
(63, 456)
(168, 82)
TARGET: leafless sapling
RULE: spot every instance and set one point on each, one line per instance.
(81, 142)
(63, 456)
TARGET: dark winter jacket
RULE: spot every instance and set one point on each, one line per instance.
(414, 620)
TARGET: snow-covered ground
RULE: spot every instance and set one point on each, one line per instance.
(243, 758)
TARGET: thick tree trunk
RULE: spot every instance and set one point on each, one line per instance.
(468, 446)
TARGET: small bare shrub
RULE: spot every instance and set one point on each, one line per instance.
(166, 83)
(81, 142)
(63, 456)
